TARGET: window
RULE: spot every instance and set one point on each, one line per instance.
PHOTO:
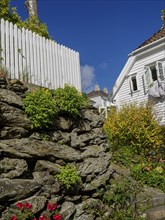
(133, 83)
(153, 73)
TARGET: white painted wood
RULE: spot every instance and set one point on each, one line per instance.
(38, 60)
(7, 51)
(16, 52)
(3, 42)
(12, 69)
(139, 66)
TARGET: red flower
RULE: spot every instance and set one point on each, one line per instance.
(27, 205)
(19, 205)
(54, 207)
(57, 217)
(13, 217)
(49, 206)
(42, 217)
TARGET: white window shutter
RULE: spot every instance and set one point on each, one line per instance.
(147, 79)
(130, 84)
(160, 70)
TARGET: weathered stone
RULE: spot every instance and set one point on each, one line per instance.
(95, 119)
(94, 165)
(61, 137)
(13, 132)
(47, 166)
(63, 123)
(16, 189)
(10, 98)
(92, 151)
(3, 80)
(156, 213)
(67, 210)
(14, 116)
(98, 181)
(29, 148)
(49, 184)
(86, 210)
(18, 89)
(15, 81)
(11, 168)
(37, 202)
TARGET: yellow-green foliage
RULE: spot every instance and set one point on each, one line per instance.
(40, 107)
(134, 126)
(68, 176)
(7, 13)
(69, 100)
(32, 23)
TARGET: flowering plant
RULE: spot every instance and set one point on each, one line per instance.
(25, 212)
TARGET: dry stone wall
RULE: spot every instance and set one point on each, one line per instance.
(30, 159)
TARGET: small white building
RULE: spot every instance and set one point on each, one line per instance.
(143, 76)
(99, 99)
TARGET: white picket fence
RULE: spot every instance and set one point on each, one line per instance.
(35, 59)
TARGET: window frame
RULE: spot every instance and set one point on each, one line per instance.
(148, 77)
(131, 77)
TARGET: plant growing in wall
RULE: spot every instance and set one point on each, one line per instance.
(40, 107)
(68, 176)
(69, 101)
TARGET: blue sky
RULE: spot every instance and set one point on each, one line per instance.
(104, 32)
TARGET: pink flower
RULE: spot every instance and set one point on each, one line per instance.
(19, 205)
(13, 217)
(57, 217)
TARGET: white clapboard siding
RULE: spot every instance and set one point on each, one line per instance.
(34, 59)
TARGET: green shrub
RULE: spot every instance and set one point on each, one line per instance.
(122, 198)
(32, 23)
(40, 107)
(69, 100)
(134, 126)
(68, 176)
(152, 174)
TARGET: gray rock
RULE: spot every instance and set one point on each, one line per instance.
(63, 123)
(13, 132)
(156, 213)
(10, 98)
(11, 168)
(47, 166)
(15, 117)
(94, 165)
(29, 148)
(49, 184)
(92, 151)
(98, 181)
(67, 210)
(86, 210)
(81, 140)
(16, 189)
(95, 119)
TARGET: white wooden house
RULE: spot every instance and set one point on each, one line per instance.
(143, 76)
(99, 99)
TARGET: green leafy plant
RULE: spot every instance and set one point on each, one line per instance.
(25, 212)
(69, 100)
(123, 199)
(33, 23)
(40, 107)
(68, 176)
(134, 126)
(150, 173)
